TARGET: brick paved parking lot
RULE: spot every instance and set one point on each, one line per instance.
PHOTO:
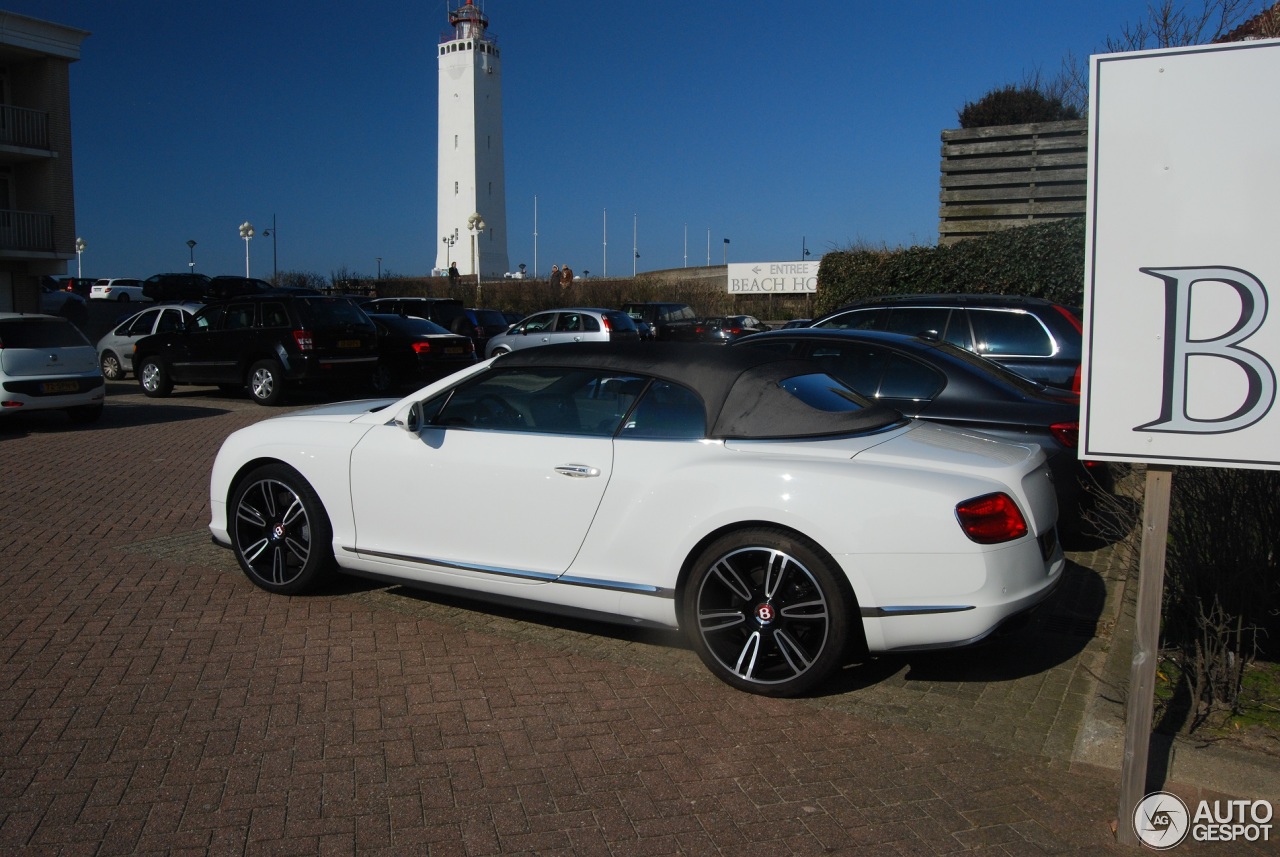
(152, 701)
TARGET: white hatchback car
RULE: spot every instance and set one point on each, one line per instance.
(571, 324)
(784, 522)
(118, 289)
(115, 348)
(47, 364)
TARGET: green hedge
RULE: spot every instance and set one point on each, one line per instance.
(1045, 260)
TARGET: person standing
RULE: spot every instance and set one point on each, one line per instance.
(554, 278)
(453, 273)
(566, 276)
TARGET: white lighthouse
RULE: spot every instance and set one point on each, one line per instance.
(471, 174)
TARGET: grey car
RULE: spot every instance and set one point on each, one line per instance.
(115, 349)
(571, 324)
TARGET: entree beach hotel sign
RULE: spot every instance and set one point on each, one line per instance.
(1182, 338)
(773, 278)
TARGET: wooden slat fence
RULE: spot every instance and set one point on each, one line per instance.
(1011, 175)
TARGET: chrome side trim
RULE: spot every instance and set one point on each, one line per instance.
(522, 574)
(879, 612)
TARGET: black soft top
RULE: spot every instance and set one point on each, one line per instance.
(741, 388)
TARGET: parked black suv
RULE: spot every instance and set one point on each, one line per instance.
(176, 287)
(263, 342)
(1034, 337)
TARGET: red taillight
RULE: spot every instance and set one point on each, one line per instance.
(70, 287)
(1075, 381)
(733, 330)
(1068, 434)
(604, 320)
(303, 338)
(991, 519)
(422, 348)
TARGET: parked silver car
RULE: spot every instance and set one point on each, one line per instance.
(115, 349)
(47, 364)
(572, 324)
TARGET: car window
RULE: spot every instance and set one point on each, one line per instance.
(823, 392)
(239, 317)
(539, 323)
(170, 319)
(859, 366)
(905, 378)
(1005, 332)
(569, 322)
(915, 321)
(39, 333)
(540, 400)
(667, 411)
(274, 315)
(140, 326)
(858, 319)
(210, 318)
(590, 324)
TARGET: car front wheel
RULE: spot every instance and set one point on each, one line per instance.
(111, 368)
(767, 613)
(280, 532)
(154, 378)
(266, 387)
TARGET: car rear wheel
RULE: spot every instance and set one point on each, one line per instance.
(266, 387)
(124, 297)
(280, 532)
(767, 613)
(111, 368)
(154, 378)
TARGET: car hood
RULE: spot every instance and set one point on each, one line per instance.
(342, 412)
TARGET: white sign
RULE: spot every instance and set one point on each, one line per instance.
(1182, 288)
(771, 278)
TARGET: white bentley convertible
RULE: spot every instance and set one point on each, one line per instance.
(784, 522)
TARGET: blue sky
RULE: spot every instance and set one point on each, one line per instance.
(767, 123)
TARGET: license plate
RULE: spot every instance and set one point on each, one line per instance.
(348, 343)
(61, 386)
(453, 350)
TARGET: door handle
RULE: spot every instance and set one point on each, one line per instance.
(578, 471)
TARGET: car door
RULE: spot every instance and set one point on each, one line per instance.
(143, 324)
(500, 484)
(536, 330)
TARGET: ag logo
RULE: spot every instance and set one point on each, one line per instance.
(1161, 820)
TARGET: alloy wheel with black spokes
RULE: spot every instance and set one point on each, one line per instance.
(767, 613)
(279, 530)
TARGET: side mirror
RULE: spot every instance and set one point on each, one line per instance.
(410, 418)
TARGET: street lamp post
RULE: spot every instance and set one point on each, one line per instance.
(476, 225)
(246, 232)
(275, 268)
(449, 241)
(80, 245)
(191, 245)
(379, 261)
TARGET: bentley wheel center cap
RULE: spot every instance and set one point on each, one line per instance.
(766, 614)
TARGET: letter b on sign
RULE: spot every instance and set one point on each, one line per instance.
(1179, 348)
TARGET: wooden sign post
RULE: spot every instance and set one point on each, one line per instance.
(1140, 705)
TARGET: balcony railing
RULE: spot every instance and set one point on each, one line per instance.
(22, 127)
(26, 230)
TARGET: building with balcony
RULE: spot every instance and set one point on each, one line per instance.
(37, 196)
